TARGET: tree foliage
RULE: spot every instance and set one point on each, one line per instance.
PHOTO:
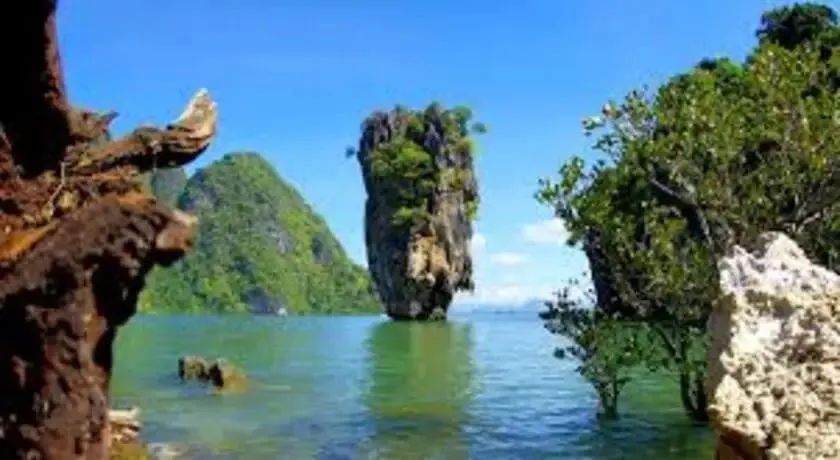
(609, 351)
(713, 157)
(798, 24)
(167, 184)
(424, 151)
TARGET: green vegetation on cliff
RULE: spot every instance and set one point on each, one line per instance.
(416, 157)
(716, 156)
(167, 184)
(260, 248)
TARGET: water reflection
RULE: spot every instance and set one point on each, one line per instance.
(641, 433)
(419, 390)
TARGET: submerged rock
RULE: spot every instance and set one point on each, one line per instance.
(129, 451)
(161, 451)
(774, 357)
(422, 196)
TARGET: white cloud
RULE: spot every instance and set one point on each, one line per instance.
(509, 259)
(505, 294)
(478, 243)
(551, 231)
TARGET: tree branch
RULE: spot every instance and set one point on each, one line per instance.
(695, 218)
(89, 126)
(148, 148)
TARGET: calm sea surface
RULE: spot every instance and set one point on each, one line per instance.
(480, 387)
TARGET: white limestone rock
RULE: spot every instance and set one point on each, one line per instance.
(774, 357)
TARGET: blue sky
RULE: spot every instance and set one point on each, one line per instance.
(294, 79)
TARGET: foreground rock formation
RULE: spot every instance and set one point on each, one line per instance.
(774, 363)
(422, 196)
(124, 435)
(77, 238)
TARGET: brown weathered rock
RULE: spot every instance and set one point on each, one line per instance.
(124, 427)
(223, 374)
(220, 372)
(62, 301)
(774, 356)
(76, 241)
(417, 268)
(193, 368)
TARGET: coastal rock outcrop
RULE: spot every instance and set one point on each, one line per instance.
(774, 357)
(422, 196)
(77, 238)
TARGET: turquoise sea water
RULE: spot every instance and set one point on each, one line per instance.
(480, 386)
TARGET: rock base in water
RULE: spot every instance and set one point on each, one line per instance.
(774, 363)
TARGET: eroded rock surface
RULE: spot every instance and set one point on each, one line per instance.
(417, 219)
(774, 358)
(77, 239)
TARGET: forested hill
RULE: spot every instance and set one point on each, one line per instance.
(260, 247)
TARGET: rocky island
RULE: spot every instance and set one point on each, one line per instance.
(261, 248)
(422, 196)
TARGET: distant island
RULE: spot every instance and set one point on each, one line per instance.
(260, 249)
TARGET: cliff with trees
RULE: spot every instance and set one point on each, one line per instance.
(260, 248)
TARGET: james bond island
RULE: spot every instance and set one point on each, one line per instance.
(422, 199)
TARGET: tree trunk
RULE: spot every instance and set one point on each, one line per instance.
(76, 241)
(693, 397)
(608, 397)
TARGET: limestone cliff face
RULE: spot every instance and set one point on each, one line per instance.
(774, 356)
(422, 194)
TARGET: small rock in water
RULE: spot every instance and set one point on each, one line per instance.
(162, 451)
(220, 372)
(192, 368)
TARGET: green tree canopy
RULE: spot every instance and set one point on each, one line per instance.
(411, 154)
(797, 24)
(715, 156)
